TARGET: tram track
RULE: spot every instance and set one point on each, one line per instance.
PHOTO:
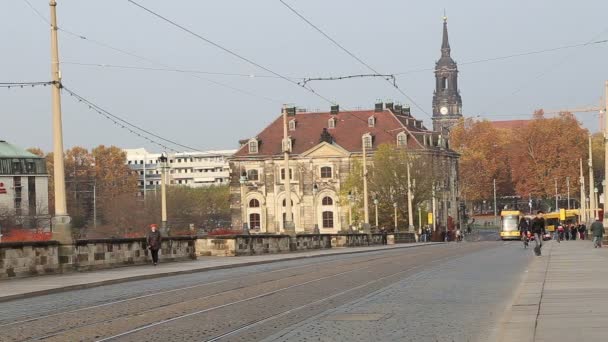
(352, 267)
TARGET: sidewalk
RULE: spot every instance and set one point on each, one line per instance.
(35, 286)
(564, 296)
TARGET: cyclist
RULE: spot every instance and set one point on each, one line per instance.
(524, 227)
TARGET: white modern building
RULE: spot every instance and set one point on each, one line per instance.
(193, 169)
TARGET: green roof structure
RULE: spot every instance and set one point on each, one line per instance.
(11, 151)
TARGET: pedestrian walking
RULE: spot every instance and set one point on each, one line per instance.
(597, 228)
(538, 229)
(581, 231)
(154, 240)
(384, 236)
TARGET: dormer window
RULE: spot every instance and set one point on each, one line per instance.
(253, 146)
(331, 123)
(401, 139)
(292, 125)
(367, 141)
(371, 121)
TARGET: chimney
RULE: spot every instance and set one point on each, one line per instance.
(389, 105)
(378, 107)
(335, 109)
(406, 111)
(291, 111)
(398, 108)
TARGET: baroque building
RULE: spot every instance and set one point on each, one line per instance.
(323, 147)
(447, 103)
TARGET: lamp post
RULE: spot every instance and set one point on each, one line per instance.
(365, 200)
(315, 190)
(242, 181)
(163, 192)
(556, 202)
(410, 214)
(435, 208)
(395, 207)
(568, 191)
(376, 207)
(595, 210)
(350, 210)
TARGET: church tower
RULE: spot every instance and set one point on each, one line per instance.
(447, 104)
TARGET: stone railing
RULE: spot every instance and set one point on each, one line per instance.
(22, 259)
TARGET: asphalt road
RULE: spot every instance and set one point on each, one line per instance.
(453, 292)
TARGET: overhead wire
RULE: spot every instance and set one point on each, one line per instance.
(24, 84)
(393, 84)
(143, 58)
(131, 127)
(229, 51)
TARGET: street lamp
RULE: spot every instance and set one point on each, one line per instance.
(376, 207)
(315, 190)
(395, 208)
(595, 210)
(242, 181)
(163, 189)
(350, 209)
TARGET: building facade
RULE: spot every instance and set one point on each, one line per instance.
(447, 103)
(192, 169)
(323, 148)
(23, 188)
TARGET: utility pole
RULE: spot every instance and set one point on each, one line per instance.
(605, 153)
(288, 225)
(365, 200)
(163, 193)
(61, 221)
(568, 191)
(495, 211)
(556, 203)
(410, 213)
(434, 208)
(583, 202)
(591, 184)
(419, 218)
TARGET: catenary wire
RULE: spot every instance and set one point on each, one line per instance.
(122, 122)
(245, 59)
(394, 83)
(24, 84)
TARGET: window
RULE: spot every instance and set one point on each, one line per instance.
(444, 83)
(331, 123)
(285, 202)
(326, 172)
(401, 139)
(327, 201)
(283, 174)
(367, 141)
(328, 219)
(371, 121)
(252, 175)
(292, 125)
(253, 146)
(254, 221)
(254, 203)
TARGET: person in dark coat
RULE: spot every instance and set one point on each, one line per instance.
(581, 231)
(384, 236)
(154, 240)
(538, 229)
(597, 228)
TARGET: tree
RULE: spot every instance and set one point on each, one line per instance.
(484, 158)
(548, 150)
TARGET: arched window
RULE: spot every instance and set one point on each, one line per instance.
(285, 203)
(331, 123)
(254, 221)
(252, 175)
(328, 219)
(371, 121)
(327, 201)
(292, 125)
(444, 83)
(254, 203)
(326, 172)
(401, 139)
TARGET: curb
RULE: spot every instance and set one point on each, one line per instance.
(191, 271)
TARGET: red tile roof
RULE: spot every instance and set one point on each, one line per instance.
(510, 124)
(348, 132)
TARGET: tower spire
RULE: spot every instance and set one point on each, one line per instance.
(445, 43)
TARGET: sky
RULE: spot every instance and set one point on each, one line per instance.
(214, 111)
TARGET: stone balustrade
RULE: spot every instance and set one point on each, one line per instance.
(23, 259)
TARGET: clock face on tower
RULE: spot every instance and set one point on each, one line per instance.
(443, 110)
